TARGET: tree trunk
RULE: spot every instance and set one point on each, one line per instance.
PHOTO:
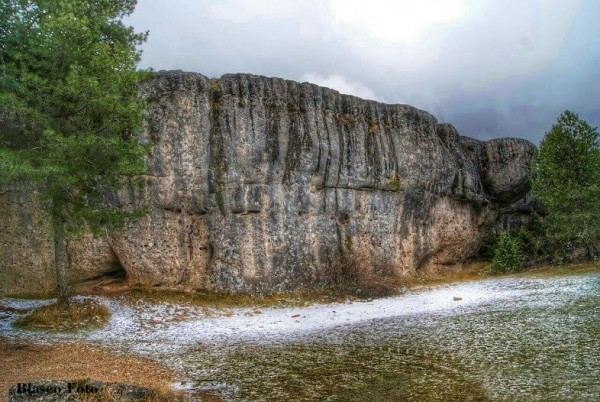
(60, 261)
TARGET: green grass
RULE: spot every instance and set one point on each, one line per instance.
(566, 269)
(341, 372)
(29, 295)
(225, 300)
(70, 316)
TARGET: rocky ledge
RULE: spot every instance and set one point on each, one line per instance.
(264, 185)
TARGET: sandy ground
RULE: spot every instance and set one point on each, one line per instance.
(26, 362)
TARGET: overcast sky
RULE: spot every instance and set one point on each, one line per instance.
(492, 68)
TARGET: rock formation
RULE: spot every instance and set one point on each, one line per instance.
(261, 184)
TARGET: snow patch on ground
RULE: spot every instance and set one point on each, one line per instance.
(150, 328)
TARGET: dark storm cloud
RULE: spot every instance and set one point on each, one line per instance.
(494, 69)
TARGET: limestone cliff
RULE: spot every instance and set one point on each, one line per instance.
(260, 184)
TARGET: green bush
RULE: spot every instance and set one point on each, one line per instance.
(508, 254)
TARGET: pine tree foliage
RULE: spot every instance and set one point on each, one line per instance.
(69, 107)
(567, 182)
(508, 254)
(69, 104)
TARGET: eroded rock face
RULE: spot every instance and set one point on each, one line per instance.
(260, 184)
(506, 167)
(26, 253)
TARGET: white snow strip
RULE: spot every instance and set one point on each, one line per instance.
(146, 327)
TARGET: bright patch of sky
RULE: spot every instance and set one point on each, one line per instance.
(492, 68)
(391, 21)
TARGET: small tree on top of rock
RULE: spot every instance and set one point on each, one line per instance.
(68, 108)
(567, 182)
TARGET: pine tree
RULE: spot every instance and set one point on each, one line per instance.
(567, 182)
(69, 107)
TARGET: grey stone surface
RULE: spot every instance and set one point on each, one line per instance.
(518, 214)
(260, 184)
(26, 253)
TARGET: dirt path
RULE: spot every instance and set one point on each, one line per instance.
(26, 362)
